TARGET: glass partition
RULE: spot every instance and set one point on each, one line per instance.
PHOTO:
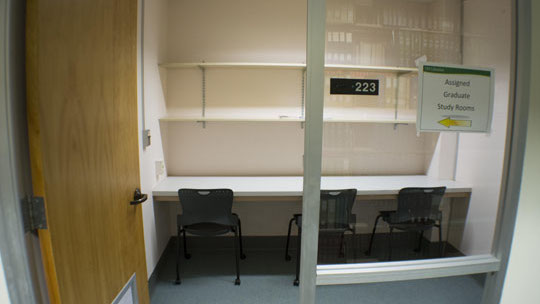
(371, 142)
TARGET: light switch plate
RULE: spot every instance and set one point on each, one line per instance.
(146, 138)
(160, 170)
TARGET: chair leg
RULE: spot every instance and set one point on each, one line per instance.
(297, 280)
(287, 256)
(341, 251)
(186, 254)
(242, 255)
(177, 282)
(419, 248)
(368, 252)
(441, 252)
(237, 256)
(390, 244)
(353, 243)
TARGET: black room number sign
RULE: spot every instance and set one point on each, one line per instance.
(347, 86)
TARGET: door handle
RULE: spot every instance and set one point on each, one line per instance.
(138, 197)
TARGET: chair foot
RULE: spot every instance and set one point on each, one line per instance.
(237, 282)
(287, 257)
(243, 256)
(177, 282)
(296, 283)
(187, 256)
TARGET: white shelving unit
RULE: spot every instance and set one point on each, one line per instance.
(284, 66)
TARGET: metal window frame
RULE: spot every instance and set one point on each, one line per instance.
(515, 147)
(316, 23)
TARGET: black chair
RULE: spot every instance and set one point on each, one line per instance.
(207, 212)
(418, 210)
(335, 217)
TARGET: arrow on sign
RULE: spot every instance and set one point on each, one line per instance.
(448, 122)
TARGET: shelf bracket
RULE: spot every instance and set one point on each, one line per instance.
(396, 101)
(399, 123)
(203, 72)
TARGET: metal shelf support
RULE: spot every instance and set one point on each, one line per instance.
(203, 72)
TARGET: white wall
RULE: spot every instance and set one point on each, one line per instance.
(521, 283)
(237, 31)
(480, 156)
(4, 296)
(245, 148)
(156, 234)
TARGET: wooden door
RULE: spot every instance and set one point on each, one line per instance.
(82, 116)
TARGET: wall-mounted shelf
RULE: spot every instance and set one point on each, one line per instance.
(204, 66)
(352, 26)
(254, 65)
(231, 119)
(294, 66)
(278, 119)
(369, 68)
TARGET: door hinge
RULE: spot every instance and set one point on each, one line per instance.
(34, 213)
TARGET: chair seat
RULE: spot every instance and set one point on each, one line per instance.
(416, 226)
(207, 229)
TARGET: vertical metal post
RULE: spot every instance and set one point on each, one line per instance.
(396, 100)
(303, 105)
(316, 21)
(203, 71)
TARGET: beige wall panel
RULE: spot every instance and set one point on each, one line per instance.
(244, 148)
(237, 31)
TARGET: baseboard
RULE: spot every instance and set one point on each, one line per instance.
(152, 280)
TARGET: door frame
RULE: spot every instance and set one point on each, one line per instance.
(21, 263)
(515, 148)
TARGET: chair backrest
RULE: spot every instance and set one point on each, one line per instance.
(206, 205)
(336, 208)
(418, 204)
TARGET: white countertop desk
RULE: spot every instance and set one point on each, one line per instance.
(288, 189)
(276, 187)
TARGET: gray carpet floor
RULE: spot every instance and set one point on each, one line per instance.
(208, 277)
